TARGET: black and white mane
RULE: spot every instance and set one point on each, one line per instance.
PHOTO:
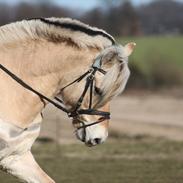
(57, 30)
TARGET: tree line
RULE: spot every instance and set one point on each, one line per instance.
(121, 18)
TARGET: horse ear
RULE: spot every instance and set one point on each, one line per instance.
(109, 54)
(128, 49)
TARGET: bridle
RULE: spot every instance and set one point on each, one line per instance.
(77, 111)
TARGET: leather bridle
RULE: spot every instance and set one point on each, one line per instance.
(77, 111)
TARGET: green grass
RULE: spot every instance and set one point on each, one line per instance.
(168, 46)
(121, 160)
(156, 60)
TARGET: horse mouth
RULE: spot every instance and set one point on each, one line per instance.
(89, 144)
(94, 142)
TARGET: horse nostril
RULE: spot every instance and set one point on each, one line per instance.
(97, 140)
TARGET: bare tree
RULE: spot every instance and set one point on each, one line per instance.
(162, 16)
(123, 20)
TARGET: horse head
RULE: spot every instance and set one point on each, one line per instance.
(113, 61)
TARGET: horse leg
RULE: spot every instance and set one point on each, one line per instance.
(25, 168)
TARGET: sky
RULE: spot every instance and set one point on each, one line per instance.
(88, 4)
(75, 4)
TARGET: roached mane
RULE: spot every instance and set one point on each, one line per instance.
(56, 30)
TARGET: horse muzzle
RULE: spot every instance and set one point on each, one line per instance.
(93, 135)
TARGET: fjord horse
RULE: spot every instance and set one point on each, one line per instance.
(47, 54)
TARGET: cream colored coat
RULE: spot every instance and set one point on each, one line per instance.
(47, 66)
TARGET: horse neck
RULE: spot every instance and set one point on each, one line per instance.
(45, 66)
(59, 64)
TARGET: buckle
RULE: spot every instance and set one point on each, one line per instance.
(91, 70)
(91, 76)
(73, 114)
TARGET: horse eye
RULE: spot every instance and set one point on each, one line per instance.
(98, 91)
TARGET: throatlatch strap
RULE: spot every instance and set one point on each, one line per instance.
(76, 80)
(79, 102)
(91, 95)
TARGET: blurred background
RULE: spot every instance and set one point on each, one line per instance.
(145, 144)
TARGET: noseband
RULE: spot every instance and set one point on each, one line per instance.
(90, 75)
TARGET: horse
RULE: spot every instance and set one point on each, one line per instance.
(44, 58)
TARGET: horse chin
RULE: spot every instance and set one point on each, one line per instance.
(89, 144)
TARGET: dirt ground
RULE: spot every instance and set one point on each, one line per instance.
(144, 113)
(140, 160)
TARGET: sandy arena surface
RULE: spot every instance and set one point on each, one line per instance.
(155, 115)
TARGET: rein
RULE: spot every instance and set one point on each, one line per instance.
(90, 74)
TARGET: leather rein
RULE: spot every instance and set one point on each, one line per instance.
(90, 75)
